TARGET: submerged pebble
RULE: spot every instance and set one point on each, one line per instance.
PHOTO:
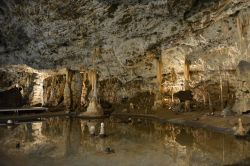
(109, 150)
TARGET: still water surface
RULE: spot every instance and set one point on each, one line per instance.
(67, 142)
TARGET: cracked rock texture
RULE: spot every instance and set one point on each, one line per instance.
(124, 40)
(53, 93)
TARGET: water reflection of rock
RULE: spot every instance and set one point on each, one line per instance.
(27, 132)
(89, 141)
(189, 145)
(52, 127)
(156, 143)
(72, 135)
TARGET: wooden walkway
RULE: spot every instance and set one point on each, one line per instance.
(16, 110)
(47, 115)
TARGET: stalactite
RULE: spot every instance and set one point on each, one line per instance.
(92, 79)
(94, 107)
(159, 73)
(173, 80)
(210, 103)
(228, 90)
(159, 67)
(242, 22)
(204, 90)
(221, 89)
(84, 90)
(96, 54)
(186, 73)
(240, 33)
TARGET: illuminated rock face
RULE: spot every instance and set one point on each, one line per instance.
(131, 36)
(242, 103)
(72, 90)
(53, 90)
(76, 87)
(22, 78)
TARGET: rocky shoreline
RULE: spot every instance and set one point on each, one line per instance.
(213, 123)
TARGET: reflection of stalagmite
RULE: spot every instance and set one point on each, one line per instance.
(240, 131)
(92, 130)
(92, 127)
(72, 131)
(28, 135)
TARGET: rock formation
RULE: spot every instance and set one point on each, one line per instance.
(72, 90)
(94, 108)
(53, 90)
(127, 38)
(11, 98)
(242, 103)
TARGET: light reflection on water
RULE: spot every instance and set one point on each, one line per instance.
(58, 141)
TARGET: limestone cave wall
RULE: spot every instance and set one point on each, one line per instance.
(135, 46)
(24, 80)
(53, 93)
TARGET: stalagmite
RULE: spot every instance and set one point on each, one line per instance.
(102, 130)
(9, 122)
(131, 106)
(94, 107)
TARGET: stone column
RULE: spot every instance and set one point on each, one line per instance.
(186, 80)
(76, 89)
(67, 91)
(84, 91)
